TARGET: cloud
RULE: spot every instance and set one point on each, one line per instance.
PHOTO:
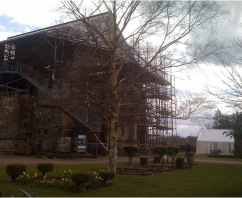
(30, 12)
(2, 27)
(186, 128)
(226, 31)
(5, 35)
(27, 29)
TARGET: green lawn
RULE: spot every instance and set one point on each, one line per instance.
(205, 180)
(201, 156)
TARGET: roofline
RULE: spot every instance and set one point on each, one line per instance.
(43, 29)
(217, 141)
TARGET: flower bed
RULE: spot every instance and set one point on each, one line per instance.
(76, 182)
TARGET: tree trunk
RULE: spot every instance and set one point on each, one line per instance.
(113, 145)
(162, 164)
(172, 163)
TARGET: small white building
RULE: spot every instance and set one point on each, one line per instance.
(212, 141)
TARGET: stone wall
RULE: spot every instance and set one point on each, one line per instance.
(26, 127)
(9, 121)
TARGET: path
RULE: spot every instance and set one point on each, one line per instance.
(5, 160)
(217, 162)
(10, 159)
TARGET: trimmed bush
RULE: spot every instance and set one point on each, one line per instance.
(80, 178)
(118, 147)
(179, 162)
(173, 150)
(144, 160)
(106, 175)
(45, 167)
(14, 170)
(156, 160)
(160, 150)
(130, 150)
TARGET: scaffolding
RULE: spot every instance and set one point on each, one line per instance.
(67, 70)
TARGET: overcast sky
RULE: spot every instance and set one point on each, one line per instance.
(20, 16)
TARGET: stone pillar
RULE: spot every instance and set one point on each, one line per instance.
(135, 135)
(190, 159)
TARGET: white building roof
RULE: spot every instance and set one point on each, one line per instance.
(214, 135)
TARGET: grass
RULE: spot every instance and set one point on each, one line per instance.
(202, 156)
(202, 181)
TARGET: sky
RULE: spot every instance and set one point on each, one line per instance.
(20, 16)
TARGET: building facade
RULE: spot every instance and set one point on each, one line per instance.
(55, 87)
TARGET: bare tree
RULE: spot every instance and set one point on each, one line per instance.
(192, 105)
(124, 28)
(230, 92)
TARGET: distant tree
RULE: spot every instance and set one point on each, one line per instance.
(236, 133)
(222, 121)
(191, 105)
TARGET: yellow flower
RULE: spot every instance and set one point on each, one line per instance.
(70, 170)
(66, 179)
(96, 177)
(35, 175)
(94, 173)
(100, 178)
(64, 171)
(24, 173)
(63, 179)
(22, 176)
(54, 179)
(27, 175)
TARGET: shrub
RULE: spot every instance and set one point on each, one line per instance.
(156, 160)
(118, 147)
(160, 150)
(80, 178)
(143, 160)
(106, 175)
(173, 150)
(179, 162)
(130, 150)
(14, 170)
(95, 181)
(45, 167)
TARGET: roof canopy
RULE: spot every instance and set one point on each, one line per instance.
(214, 135)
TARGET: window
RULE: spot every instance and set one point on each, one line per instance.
(9, 51)
(215, 146)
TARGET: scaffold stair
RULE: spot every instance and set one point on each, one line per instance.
(20, 68)
(46, 94)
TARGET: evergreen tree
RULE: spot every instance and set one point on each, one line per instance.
(222, 121)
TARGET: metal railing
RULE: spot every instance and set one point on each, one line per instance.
(22, 69)
(92, 122)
